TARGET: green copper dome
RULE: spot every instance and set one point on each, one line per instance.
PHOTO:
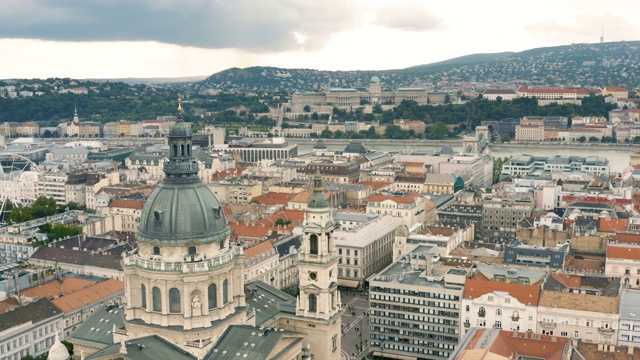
(178, 213)
(182, 209)
(317, 199)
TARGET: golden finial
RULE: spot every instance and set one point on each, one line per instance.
(179, 102)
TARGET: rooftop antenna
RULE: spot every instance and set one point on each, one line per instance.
(602, 33)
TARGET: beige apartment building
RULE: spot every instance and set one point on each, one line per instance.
(236, 191)
(414, 209)
(590, 318)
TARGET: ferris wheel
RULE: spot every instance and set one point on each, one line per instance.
(19, 178)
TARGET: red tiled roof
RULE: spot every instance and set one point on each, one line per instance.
(615, 88)
(127, 204)
(237, 171)
(525, 89)
(623, 252)
(526, 294)
(626, 238)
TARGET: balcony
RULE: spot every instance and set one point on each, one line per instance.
(515, 317)
(183, 267)
(481, 314)
(606, 330)
(548, 323)
(467, 324)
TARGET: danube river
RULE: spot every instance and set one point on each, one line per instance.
(618, 155)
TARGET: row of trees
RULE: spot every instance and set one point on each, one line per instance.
(481, 109)
(42, 207)
(437, 131)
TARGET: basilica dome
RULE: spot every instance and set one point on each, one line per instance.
(182, 210)
(178, 213)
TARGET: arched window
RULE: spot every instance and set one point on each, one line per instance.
(313, 244)
(175, 150)
(182, 150)
(189, 149)
(212, 293)
(156, 250)
(313, 303)
(498, 312)
(225, 291)
(174, 300)
(143, 296)
(156, 298)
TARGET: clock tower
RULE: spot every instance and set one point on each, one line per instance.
(319, 305)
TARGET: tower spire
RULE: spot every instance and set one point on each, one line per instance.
(75, 115)
(181, 163)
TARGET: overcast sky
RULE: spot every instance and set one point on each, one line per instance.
(170, 38)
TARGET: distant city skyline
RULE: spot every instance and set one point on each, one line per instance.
(117, 39)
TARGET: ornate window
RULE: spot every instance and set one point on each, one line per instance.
(313, 303)
(225, 291)
(313, 244)
(174, 301)
(143, 296)
(192, 250)
(212, 293)
(156, 250)
(157, 299)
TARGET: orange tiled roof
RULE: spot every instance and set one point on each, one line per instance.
(303, 196)
(508, 346)
(375, 185)
(54, 288)
(249, 230)
(8, 304)
(273, 198)
(613, 225)
(623, 252)
(526, 294)
(127, 204)
(89, 295)
(258, 249)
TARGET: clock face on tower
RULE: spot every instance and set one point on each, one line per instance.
(313, 275)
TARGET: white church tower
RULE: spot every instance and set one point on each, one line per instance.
(319, 307)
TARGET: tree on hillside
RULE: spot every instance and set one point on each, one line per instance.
(438, 131)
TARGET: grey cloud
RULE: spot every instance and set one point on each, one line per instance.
(407, 15)
(254, 25)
